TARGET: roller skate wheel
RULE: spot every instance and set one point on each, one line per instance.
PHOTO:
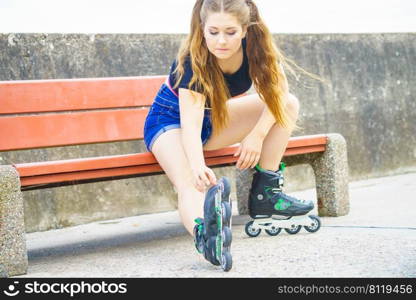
(226, 236)
(226, 213)
(224, 184)
(250, 231)
(226, 261)
(273, 231)
(295, 229)
(315, 225)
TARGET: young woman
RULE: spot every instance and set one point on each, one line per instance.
(228, 50)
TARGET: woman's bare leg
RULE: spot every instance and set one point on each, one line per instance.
(276, 141)
(244, 114)
(170, 154)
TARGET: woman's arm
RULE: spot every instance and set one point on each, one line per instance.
(192, 114)
(191, 105)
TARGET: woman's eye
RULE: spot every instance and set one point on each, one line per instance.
(229, 33)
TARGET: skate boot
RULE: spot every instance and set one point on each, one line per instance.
(212, 234)
(273, 210)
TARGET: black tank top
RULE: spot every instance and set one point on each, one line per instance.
(238, 82)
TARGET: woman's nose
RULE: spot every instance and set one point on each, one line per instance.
(222, 39)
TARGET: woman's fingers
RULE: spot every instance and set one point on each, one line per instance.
(242, 158)
(256, 161)
(211, 176)
(249, 160)
(237, 153)
(204, 179)
(198, 185)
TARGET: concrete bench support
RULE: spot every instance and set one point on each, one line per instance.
(331, 176)
(13, 255)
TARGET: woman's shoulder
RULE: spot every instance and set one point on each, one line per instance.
(186, 76)
(187, 65)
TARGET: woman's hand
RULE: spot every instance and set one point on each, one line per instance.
(203, 177)
(249, 151)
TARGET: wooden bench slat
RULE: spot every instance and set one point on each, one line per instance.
(139, 163)
(29, 96)
(63, 129)
(91, 174)
(308, 140)
(125, 171)
(304, 150)
(74, 165)
(295, 146)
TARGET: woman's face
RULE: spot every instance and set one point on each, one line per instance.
(223, 34)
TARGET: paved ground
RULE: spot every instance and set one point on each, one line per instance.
(376, 239)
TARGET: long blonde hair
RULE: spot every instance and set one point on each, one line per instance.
(265, 61)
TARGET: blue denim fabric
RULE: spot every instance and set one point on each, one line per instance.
(164, 115)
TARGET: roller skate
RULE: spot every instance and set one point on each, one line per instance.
(212, 234)
(273, 210)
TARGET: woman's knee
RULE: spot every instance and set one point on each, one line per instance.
(292, 105)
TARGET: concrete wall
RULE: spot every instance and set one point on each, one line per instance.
(369, 98)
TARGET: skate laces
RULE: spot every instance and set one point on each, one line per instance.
(277, 176)
(278, 190)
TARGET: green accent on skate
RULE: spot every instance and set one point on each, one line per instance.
(218, 248)
(268, 188)
(200, 229)
(198, 221)
(282, 167)
(259, 168)
(281, 204)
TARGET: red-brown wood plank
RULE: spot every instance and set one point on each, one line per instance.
(139, 163)
(92, 174)
(310, 144)
(27, 96)
(26, 132)
(85, 164)
(124, 171)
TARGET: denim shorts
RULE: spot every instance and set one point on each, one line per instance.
(164, 115)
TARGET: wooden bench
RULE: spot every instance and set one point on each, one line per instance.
(49, 113)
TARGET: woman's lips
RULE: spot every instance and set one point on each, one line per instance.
(222, 49)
